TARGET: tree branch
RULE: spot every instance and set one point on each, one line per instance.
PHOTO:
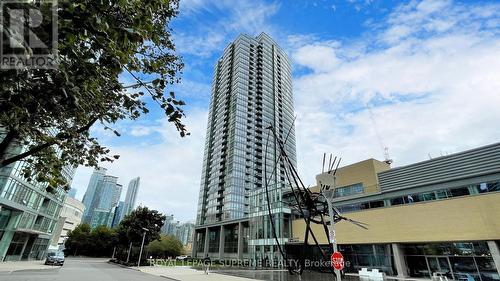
(41, 147)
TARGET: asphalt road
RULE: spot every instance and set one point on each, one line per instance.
(81, 270)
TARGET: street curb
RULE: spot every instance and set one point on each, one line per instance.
(123, 266)
(169, 278)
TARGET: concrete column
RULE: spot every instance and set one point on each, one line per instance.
(495, 253)
(399, 260)
(194, 251)
(221, 242)
(240, 240)
(205, 249)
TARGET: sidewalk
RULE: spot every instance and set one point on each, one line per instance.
(24, 265)
(180, 273)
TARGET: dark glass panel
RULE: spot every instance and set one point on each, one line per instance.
(397, 201)
(377, 204)
(4, 218)
(363, 249)
(464, 268)
(487, 269)
(481, 248)
(462, 191)
(437, 249)
(417, 266)
(461, 249)
(413, 249)
(493, 186)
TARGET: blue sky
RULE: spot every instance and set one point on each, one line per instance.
(427, 70)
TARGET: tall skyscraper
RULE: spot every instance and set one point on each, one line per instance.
(169, 225)
(251, 90)
(185, 233)
(131, 197)
(101, 198)
(90, 193)
(117, 218)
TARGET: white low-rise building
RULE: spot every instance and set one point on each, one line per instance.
(71, 215)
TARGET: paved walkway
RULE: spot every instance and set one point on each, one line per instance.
(180, 273)
(23, 265)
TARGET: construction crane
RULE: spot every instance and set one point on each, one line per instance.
(385, 149)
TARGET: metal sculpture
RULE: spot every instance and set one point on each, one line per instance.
(313, 207)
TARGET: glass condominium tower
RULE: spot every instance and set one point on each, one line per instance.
(251, 90)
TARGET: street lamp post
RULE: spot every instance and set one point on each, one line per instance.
(142, 245)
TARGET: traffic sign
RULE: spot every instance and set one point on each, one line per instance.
(337, 261)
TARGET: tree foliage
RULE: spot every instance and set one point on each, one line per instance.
(167, 246)
(50, 111)
(98, 242)
(131, 228)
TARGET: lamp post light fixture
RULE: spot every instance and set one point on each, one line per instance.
(142, 245)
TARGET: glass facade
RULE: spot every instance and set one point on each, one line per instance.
(262, 242)
(368, 256)
(101, 198)
(27, 208)
(460, 261)
(251, 90)
(131, 196)
(438, 194)
(469, 261)
(349, 190)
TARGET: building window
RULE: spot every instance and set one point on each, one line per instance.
(371, 255)
(349, 190)
(461, 191)
(213, 241)
(231, 239)
(17, 244)
(459, 260)
(4, 218)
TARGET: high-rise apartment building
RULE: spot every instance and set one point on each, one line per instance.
(131, 197)
(101, 198)
(251, 90)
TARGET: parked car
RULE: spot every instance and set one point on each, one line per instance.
(55, 258)
(181, 258)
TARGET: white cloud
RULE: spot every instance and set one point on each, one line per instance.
(317, 57)
(140, 131)
(208, 36)
(430, 72)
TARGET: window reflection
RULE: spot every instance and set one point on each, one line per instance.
(415, 197)
(466, 261)
(464, 268)
(487, 269)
